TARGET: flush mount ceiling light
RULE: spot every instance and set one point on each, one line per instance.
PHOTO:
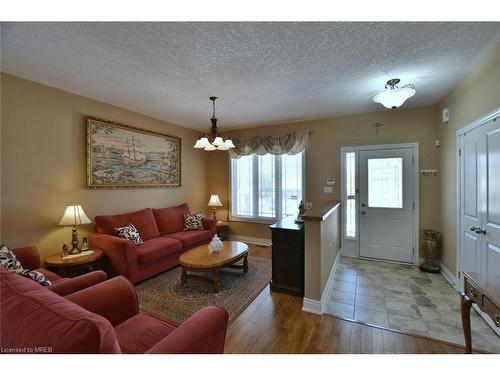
(394, 96)
(213, 141)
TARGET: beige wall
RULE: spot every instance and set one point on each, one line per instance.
(44, 168)
(323, 157)
(475, 96)
(322, 244)
(330, 244)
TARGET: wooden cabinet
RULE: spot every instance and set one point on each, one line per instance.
(287, 257)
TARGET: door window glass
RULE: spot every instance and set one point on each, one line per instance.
(385, 183)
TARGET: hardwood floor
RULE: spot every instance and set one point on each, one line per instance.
(275, 323)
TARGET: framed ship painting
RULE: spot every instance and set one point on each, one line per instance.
(121, 156)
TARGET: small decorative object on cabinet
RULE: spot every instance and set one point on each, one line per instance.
(214, 202)
(74, 215)
(288, 257)
(302, 210)
(430, 251)
(222, 230)
(75, 265)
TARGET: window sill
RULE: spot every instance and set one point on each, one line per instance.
(253, 221)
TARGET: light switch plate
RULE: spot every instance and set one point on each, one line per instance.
(328, 189)
(330, 181)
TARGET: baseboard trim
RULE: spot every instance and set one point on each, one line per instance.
(329, 282)
(251, 240)
(311, 306)
(450, 277)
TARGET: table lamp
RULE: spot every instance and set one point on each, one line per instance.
(214, 202)
(74, 215)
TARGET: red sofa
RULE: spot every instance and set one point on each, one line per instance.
(103, 318)
(162, 231)
(30, 259)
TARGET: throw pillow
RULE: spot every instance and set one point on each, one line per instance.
(35, 276)
(192, 222)
(130, 233)
(9, 261)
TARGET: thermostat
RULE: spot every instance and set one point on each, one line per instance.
(330, 181)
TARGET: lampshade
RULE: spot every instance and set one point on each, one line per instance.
(214, 201)
(229, 143)
(394, 98)
(202, 143)
(74, 215)
(210, 148)
(222, 147)
(218, 141)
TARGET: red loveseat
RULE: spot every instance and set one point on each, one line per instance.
(103, 318)
(162, 231)
(30, 259)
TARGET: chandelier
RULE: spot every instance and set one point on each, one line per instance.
(394, 96)
(213, 141)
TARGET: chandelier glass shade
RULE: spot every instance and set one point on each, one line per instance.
(213, 140)
(394, 96)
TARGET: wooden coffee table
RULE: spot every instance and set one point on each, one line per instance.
(201, 259)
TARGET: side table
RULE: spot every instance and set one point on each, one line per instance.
(222, 230)
(484, 291)
(76, 266)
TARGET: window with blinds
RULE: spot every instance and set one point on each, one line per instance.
(267, 186)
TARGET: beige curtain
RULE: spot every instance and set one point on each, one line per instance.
(290, 143)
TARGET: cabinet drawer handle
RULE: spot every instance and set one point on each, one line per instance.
(474, 293)
(497, 320)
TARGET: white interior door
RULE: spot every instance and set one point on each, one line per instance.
(480, 203)
(472, 172)
(480, 200)
(491, 205)
(387, 204)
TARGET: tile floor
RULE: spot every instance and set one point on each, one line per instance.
(402, 297)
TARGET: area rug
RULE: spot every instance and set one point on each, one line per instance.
(164, 295)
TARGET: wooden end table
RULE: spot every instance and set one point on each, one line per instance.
(222, 230)
(76, 266)
(201, 259)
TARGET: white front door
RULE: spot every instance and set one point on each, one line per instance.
(387, 204)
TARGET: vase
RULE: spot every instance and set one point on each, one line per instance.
(430, 251)
(215, 245)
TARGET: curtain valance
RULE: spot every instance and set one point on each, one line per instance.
(277, 144)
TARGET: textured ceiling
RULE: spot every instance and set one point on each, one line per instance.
(262, 72)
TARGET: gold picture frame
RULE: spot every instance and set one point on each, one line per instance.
(123, 156)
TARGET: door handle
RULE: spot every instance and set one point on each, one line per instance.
(478, 230)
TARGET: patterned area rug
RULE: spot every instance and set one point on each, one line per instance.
(165, 296)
